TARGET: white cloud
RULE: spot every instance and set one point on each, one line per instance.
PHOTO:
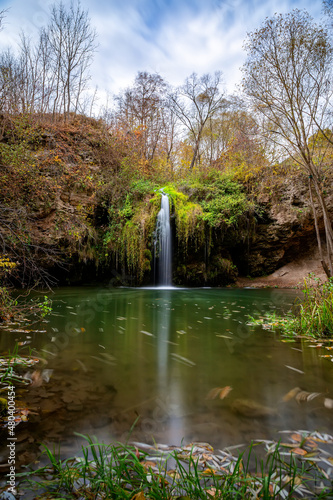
(172, 37)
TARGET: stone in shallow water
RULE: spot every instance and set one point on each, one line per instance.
(251, 409)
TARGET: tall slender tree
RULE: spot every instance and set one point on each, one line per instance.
(195, 103)
(72, 43)
(287, 77)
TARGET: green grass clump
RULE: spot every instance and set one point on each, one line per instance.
(312, 316)
(315, 317)
(123, 472)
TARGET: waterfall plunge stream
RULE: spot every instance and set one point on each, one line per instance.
(162, 243)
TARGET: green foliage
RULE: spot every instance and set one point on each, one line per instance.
(222, 199)
(136, 236)
(127, 211)
(315, 316)
(6, 304)
(124, 472)
(188, 216)
(312, 316)
(225, 209)
(45, 306)
(141, 188)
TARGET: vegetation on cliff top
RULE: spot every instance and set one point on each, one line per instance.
(79, 190)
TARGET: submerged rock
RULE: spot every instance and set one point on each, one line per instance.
(251, 409)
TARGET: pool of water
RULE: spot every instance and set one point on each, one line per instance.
(140, 364)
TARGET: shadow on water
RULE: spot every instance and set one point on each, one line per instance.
(119, 355)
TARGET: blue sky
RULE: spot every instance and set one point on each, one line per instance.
(171, 37)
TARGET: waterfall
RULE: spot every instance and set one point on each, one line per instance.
(162, 243)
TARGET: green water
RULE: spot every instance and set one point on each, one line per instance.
(151, 356)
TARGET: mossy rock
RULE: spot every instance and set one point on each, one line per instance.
(221, 271)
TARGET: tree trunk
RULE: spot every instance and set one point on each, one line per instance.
(195, 152)
(323, 263)
(327, 225)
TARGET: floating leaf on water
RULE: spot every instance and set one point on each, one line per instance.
(46, 375)
(147, 333)
(310, 442)
(298, 451)
(186, 361)
(37, 377)
(305, 397)
(103, 360)
(291, 394)
(328, 403)
(82, 365)
(213, 393)
(295, 369)
(225, 391)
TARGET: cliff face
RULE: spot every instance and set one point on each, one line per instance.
(289, 233)
(72, 206)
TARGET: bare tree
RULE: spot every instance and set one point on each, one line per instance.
(196, 102)
(287, 77)
(140, 108)
(72, 43)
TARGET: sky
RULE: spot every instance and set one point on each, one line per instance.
(171, 37)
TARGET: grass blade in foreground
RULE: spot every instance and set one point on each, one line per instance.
(194, 471)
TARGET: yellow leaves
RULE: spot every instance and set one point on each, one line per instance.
(139, 496)
(6, 264)
(220, 392)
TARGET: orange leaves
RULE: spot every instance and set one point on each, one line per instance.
(300, 396)
(219, 392)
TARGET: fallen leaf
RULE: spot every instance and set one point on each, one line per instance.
(36, 378)
(305, 397)
(298, 451)
(291, 394)
(310, 442)
(328, 403)
(221, 392)
(139, 496)
(225, 391)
